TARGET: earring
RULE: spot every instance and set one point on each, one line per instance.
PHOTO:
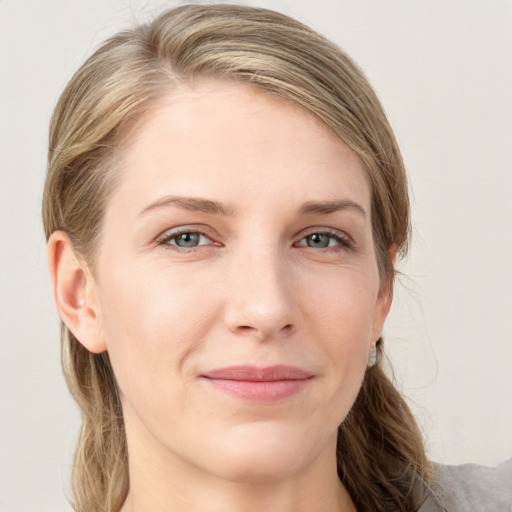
(373, 355)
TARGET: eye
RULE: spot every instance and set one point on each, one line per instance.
(184, 239)
(324, 239)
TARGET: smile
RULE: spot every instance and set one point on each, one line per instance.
(267, 384)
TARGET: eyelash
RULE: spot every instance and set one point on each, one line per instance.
(343, 240)
(169, 236)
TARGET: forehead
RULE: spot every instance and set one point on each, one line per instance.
(221, 139)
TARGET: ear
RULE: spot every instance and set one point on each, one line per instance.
(384, 297)
(75, 292)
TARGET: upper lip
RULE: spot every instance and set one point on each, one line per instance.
(258, 374)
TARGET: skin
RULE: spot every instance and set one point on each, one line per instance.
(259, 288)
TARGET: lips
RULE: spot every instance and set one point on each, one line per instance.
(266, 384)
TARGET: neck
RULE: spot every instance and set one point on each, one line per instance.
(162, 482)
(237, 497)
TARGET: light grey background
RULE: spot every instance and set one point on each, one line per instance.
(443, 70)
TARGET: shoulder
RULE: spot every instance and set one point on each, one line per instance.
(470, 487)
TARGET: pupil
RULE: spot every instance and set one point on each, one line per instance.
(318, 240)
(187, 240)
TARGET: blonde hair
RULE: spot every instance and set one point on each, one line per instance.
(380, 450)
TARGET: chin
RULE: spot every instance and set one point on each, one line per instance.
(266, 453)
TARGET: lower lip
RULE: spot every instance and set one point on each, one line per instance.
(263, 391)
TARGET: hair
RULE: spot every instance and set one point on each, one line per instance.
(380, 450)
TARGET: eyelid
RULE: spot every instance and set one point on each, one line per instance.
(169, 234)
(344, 238)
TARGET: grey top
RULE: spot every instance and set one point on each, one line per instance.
(470, 488)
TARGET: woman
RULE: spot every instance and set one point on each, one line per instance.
(224, 206)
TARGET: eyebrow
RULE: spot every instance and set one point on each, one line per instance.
(195, 204)
(327, 207)
(213, 207)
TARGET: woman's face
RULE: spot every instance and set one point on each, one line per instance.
(236, 284)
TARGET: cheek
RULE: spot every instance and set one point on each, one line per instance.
(342, 307)
(340, 315)
(153, 323)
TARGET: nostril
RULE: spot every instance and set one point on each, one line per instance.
(263, 333)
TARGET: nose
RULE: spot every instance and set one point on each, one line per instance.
(261, 296)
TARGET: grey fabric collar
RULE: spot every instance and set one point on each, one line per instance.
(468, 487)
(431, 502)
